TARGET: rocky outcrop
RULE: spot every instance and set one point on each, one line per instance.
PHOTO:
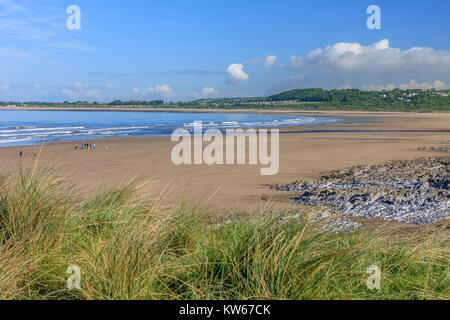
(414, 191)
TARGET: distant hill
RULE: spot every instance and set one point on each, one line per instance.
(406, 100)
(349, 99)
(305, 99)
(355, 96)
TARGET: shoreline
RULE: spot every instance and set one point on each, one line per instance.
(64, 127)
(305, 153)
(356, 121)
(201, 110)
(348, 121)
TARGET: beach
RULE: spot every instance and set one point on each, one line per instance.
(305, 153)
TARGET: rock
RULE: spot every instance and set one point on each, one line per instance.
(415, 191)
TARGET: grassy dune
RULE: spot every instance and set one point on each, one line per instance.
(128, 249)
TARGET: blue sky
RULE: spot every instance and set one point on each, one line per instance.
(184, 50)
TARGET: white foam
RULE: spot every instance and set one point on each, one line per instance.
(16, 135)
(37, 134)
(14, 140)
(39, 129)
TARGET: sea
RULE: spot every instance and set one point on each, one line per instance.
(23, 127)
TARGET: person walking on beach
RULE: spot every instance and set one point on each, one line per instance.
(20, 154)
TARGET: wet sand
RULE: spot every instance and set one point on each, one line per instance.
(305, 152)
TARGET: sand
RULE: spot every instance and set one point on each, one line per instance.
(226, 188)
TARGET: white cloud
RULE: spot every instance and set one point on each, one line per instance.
(270, 61)
(108, 85)
(146, 91)
(439, 85)
(390, 87)
(345, 87)
(93, 93)
(373, 59)
(378, 87)
(209, 92)
(78, 90)
(70, 93)
(9, 6)
(36, 86)
(357, 65)
(27, 21)
(412, 84)
(164, 90)
(236, 71)
(265, 62)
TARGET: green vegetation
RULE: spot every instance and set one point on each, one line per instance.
(413, 100)
(136, 103)
(398, 100)
(127, 249)
(351, 99)
(86, 104)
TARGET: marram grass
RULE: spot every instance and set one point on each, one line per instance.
(130, 250)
